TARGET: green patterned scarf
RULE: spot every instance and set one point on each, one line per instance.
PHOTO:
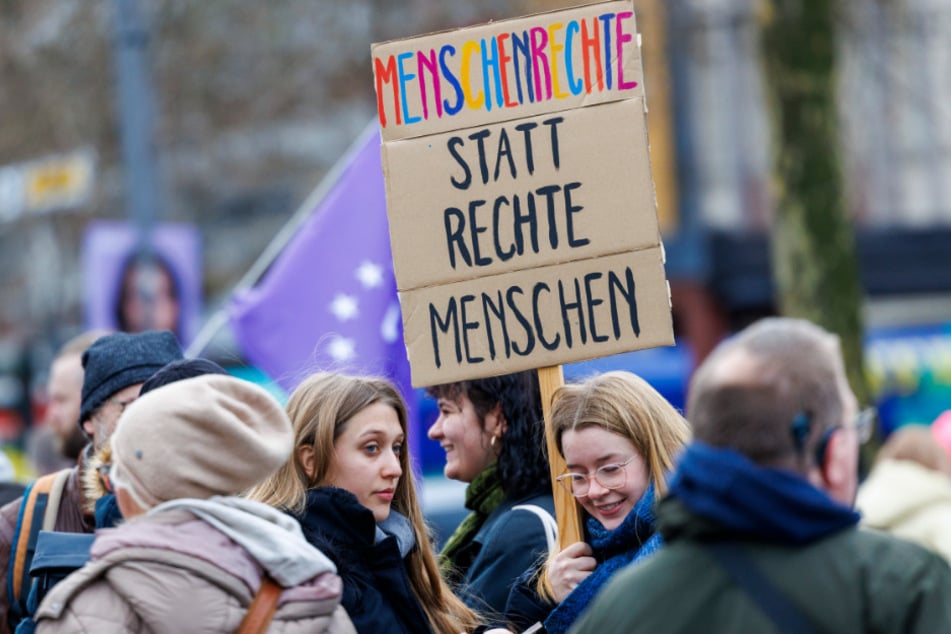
(483, 495)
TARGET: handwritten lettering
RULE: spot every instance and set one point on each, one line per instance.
(596, 307)
(507, 70)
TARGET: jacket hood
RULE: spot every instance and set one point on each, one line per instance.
(742, 499)
(897, 490)
(272, 538)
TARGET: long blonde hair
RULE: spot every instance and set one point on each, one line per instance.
(320, 409)
(624, 404)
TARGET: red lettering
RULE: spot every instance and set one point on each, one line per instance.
(591, 43)
(386, 74)
(504, 59)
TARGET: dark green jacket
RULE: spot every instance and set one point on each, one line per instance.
(853, 581)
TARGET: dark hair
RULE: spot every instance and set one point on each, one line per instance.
(523, 460)
(135, 260)
(180, 370)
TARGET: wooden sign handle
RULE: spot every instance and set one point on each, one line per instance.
(566, 508)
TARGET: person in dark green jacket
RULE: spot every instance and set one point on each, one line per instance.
(759, 528)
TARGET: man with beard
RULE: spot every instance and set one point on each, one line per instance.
(64, 390)
(115, 366)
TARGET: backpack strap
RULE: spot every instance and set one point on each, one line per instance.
(262, 608)
(41, 500)
(55, 497)
(549, 523)
(785, 615)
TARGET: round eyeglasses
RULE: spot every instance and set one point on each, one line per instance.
(864, 425)
(609, 476)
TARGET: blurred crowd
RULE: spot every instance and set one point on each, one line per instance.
(191, 500)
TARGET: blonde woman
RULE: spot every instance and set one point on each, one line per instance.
(619, 439)
(350, 485)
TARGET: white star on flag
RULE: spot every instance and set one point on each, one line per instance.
(344, 307)
(389, 328)
(370, 274)
(341, 349)
(346, 317)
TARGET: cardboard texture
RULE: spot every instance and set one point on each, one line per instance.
(539, 317)
(507, 70)
(599, 196)
(524, 231)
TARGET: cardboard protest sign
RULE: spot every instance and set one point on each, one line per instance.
(521, 207)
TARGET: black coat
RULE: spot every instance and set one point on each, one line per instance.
(376, 589)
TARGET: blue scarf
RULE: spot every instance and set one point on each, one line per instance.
(614, 549)
(755, 502)
(107, 511)
(397, 525)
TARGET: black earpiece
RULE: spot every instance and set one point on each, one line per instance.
(799, 428)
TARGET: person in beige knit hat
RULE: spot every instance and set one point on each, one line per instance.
(222, 435)
(181, 455)
(113, 369)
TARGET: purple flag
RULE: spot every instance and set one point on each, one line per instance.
(328, 302)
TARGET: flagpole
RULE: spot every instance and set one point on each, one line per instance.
(219, 318)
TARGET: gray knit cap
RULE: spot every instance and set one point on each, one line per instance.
(116, 361)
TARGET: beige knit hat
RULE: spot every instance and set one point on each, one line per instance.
(196, 438)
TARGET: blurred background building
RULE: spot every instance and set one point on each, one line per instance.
(254, 103)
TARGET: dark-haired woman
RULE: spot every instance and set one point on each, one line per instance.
(149, 295)
(493, 435)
